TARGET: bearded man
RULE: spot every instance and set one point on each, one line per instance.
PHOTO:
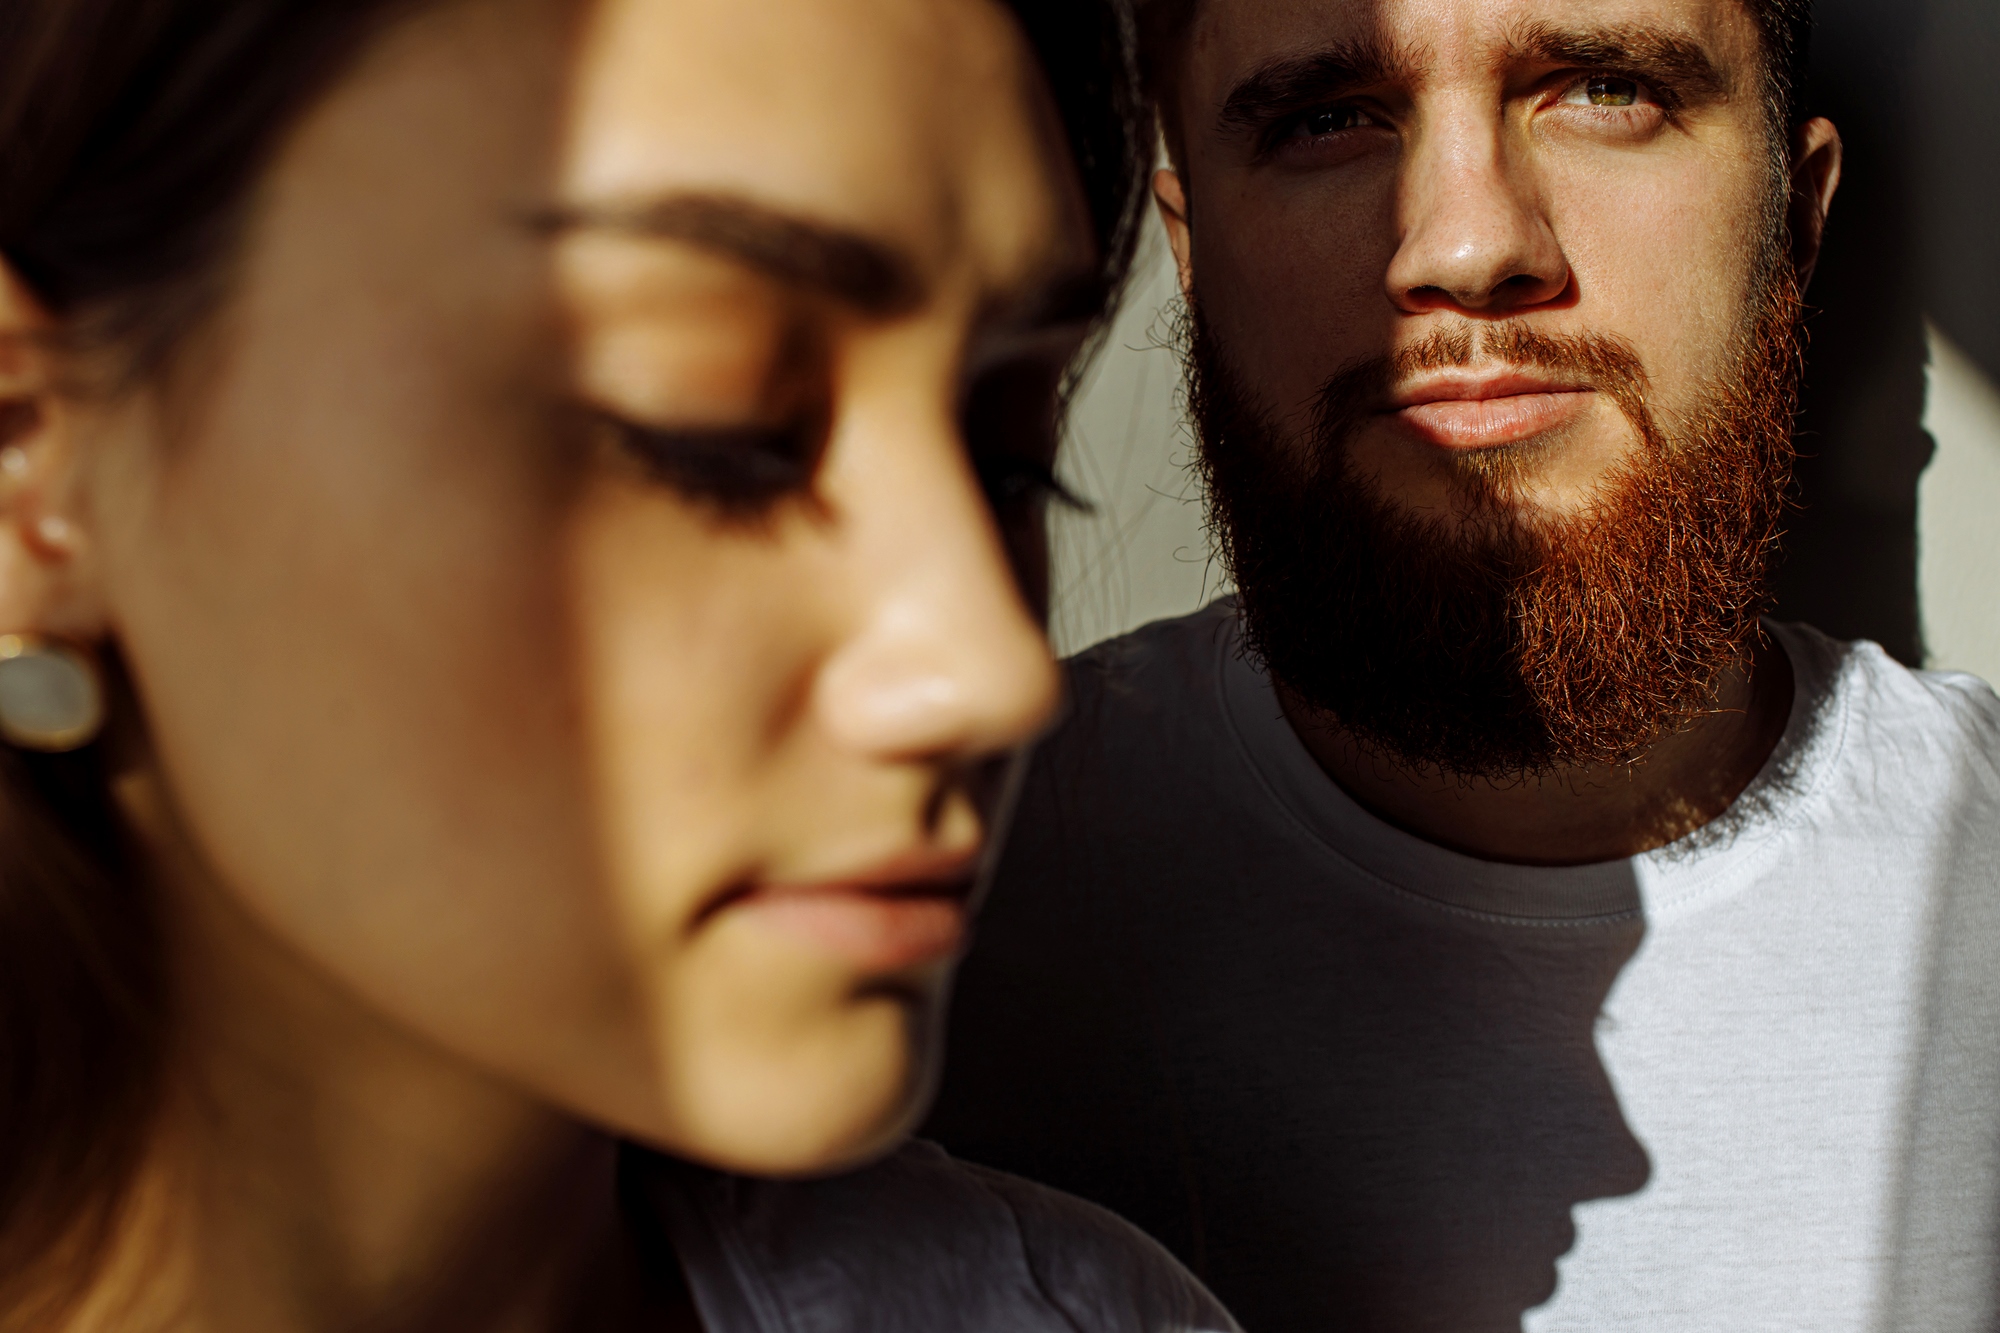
(1486, 910)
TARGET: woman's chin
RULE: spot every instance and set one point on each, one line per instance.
(823, 1103)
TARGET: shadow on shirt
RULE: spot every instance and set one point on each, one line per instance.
(1343, 1106)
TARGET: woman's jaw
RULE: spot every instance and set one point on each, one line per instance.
(512, 585)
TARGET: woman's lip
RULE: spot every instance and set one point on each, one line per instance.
(876, 931)
(1488, 421)
(910, 910)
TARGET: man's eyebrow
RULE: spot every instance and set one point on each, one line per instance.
(872, 276)
(1676, 61)
(1289, 82)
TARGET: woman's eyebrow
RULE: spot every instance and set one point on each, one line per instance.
(873, 276)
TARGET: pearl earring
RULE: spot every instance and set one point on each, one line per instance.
(51, 695)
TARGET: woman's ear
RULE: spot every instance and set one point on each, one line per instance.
(45, 579)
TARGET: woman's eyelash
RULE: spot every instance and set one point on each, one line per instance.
(1013, 483)
(741, 470)
(744, 470)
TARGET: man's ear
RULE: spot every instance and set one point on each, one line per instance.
(1815, 176)
(44, 583)
(1171, 197)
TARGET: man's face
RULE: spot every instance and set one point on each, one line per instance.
(1495, 329)
(1363, 176)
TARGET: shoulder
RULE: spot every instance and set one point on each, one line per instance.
(1142, 732)
(919, 1242)
(1104, 1272)
(1917, 751)
(1157, 660)
(1945, 713)
(1146, 691)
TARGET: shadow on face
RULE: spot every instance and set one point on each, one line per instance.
(564, 610)
(1358, 182)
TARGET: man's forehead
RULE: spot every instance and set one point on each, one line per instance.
(1230, 37)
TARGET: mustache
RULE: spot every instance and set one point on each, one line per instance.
(1361, 388)
(1506, 641)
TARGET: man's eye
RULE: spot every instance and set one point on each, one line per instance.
(1331, 120)
(739, 470)
(1606, 90)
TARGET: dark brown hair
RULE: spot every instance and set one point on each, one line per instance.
(131, 132)
(131, 135)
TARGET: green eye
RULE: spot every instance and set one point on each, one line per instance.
(1612, 92)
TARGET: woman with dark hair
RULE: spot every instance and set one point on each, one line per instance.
(519, 542)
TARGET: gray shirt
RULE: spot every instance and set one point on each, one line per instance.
(1750, 1081)
(917, 1243)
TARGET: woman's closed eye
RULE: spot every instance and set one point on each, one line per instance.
(1015, 485)
(740, 471)
(1010, 421)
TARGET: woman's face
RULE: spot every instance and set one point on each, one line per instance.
(558, 585)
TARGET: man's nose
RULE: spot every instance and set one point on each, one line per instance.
(1474, 236)
(943, 660)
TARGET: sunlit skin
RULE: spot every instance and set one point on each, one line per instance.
(507, 791)
(1582, 166)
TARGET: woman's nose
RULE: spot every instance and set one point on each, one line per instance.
(942, 658)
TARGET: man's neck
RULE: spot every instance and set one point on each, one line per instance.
(1572, 816)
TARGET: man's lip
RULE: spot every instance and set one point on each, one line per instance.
(895, 915)
(1474, 387)
(1482, 411)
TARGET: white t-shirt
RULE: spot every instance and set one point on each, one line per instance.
(1357, 1081)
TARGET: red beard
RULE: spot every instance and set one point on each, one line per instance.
(1507, 643)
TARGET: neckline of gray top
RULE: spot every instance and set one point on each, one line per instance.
(916, 1243)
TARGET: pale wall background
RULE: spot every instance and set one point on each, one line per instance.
(1143, 552)
(1899, 536)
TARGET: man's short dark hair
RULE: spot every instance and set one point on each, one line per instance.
(1783, 26)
